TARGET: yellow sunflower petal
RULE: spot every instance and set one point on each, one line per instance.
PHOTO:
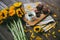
(28, 7)
(11, 7)
(49, 34)
(36, 3)
(53, 33)
(59, 30)
(54, 15)
(32, 35)
(54, 36)
(17, 4)
(49, 31)
(30, 31)
(25, 30)
(1, 16)
(38, 38)
(46, 35)
(31, 38)
(1, 21)
(47, 5)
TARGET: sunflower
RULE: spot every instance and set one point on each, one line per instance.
(37, 29)
(19, 12)
(38, 38)
(4, 13)
(11, 12)
(17, 4)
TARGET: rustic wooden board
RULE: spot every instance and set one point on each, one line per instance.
(32, 23)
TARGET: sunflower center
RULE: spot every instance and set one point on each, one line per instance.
(19, 12)
(3, 14)
(0, 20)
(37, 29)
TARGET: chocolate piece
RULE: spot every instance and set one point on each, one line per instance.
(45, 10)
(39, 7)
(38, 14)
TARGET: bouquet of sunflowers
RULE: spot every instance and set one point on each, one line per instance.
(13, 15)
